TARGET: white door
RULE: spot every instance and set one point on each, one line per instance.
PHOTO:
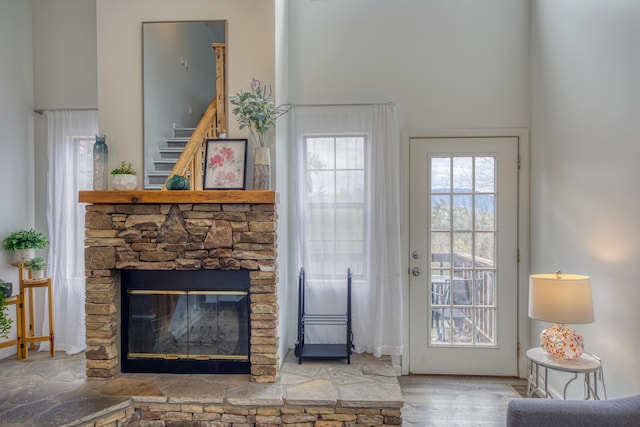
(463, 242)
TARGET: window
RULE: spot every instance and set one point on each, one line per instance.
(335, 191)
(463, 249)
(346, 214)
(70, 138)
(85, 161)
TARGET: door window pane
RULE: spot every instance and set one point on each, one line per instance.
(485, 175)
(485, 249)
(440, 212)
(441, 175)
(462, 212)
(463, 250)
(462, 174)
(485, 212)
(462, 245)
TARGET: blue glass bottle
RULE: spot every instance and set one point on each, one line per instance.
(100, 160)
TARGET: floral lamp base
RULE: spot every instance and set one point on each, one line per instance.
(562, 342)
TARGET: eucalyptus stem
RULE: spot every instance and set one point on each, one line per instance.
(256, 110)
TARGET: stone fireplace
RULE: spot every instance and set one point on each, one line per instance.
(179, 231)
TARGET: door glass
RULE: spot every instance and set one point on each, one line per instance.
(463, 251)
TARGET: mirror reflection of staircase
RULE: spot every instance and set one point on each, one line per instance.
(168, 152)
(182, 152)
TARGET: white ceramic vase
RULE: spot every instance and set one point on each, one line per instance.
(124, 182)
(37, 274)
(21, 255)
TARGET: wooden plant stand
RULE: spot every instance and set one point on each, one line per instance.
(14, 300)
(25, 309)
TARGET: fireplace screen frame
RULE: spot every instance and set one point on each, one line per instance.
(185, 282)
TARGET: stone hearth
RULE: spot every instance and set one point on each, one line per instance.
(316, 393)
(161, 230)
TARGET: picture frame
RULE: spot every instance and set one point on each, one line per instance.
(225, 164)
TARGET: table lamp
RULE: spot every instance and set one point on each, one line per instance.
(561, 299)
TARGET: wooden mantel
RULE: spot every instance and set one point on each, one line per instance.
(178, 196)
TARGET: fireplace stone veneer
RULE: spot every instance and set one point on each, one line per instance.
(178, 236)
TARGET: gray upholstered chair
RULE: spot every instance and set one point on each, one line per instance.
(574, 413)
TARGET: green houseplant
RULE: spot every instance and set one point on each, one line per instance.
(5, 320)
(124, 177)
(37, 266)
(255, 109)
(124, 169)
(24, 242)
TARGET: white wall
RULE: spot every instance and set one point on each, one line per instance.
(445, 64)
(279, 169)
(250, 53)
(16, 122)
(584, 184)
(64, 73)
(64, 54)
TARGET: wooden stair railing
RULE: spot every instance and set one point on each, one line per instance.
(190, 164)
(221, 96)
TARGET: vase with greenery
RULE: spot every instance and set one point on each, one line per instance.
(255, 109)
(5, 320)
(23, 243)
(37, 266)
(124, 177)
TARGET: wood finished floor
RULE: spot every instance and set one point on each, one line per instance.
(451, 401)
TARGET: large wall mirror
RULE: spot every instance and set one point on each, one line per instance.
(179, 82)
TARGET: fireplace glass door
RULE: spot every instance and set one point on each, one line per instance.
(193, 325)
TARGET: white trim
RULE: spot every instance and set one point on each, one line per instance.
(523, 225)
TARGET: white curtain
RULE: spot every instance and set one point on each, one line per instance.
(346, 208)
(70, 137)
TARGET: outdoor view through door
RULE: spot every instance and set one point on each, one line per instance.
(463, 232)
(462, 250)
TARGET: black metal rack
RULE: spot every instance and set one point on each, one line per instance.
(323, 351)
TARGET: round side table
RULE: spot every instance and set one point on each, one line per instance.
(587, 364)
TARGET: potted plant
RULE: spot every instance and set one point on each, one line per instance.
(5, 320)
(23, 244)
(124, 177)
(37, 266)
(255, 109)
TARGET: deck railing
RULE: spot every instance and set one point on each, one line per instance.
(461, 265)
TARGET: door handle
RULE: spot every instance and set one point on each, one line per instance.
(416, 271)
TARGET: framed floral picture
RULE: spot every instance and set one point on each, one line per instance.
(224, 164)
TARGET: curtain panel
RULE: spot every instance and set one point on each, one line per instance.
(70, 137)
(346, 214)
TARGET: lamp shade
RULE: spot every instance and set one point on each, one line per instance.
(560, 298)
